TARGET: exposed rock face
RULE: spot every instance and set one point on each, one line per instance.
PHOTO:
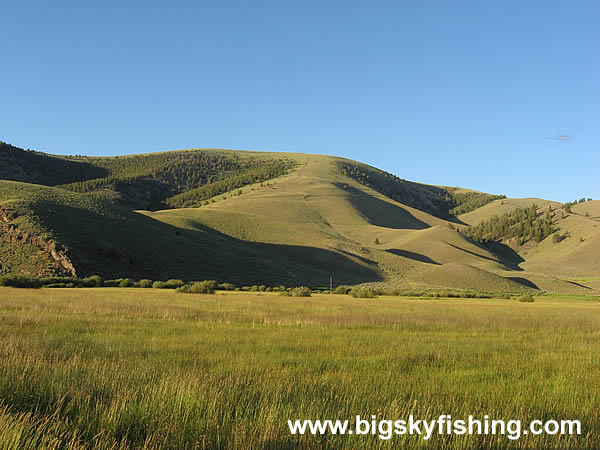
(57, 261)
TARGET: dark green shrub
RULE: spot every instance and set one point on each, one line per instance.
(199, 287)
(301, 291)
(226, 286)
(174, 284)
(55, 285)
(362, 292)
(203, 287)
(112, 283)
(60, 280)
(126, 282)
(145, 283)
(526, 298)
(20, 281)
(93, 281)
(342, 290)
(159, 285)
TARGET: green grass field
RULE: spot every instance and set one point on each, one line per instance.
(119, 368)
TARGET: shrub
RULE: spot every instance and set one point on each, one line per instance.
(159, 285)
(526, 299)
(55, 285)
(203, 287)
(126, 282)
(174, 284)
(342, 290)
(301, 291)
(112, 283)
(226, 287)
(145, 283)
(199, 287)
(362, 292)
(19, 281)
(93, 281)
(59, 280)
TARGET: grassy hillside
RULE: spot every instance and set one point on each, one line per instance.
(502, 206)
(563, 246)
(96, 237)
(277, 218)
(30, 166)
(148, 181)
(469, 277)
(440, 201)
(321, 207)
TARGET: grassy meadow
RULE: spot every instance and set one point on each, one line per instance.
(120, 368)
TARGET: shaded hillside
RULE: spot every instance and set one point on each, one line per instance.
(440, 201)
(95, 237)
(291, 219)
(29, 166)
(177, 179)
(148, 181)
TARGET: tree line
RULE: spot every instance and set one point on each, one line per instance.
(434, 200)
(522, 224)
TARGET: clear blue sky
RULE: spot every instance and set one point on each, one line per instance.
(453, 93)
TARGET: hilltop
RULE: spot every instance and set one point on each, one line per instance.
(274, 218)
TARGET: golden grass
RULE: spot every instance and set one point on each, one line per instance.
(123, 367)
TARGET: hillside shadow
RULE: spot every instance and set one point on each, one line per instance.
(507, 254)
(360, 258)
(380, 213)
(118, 242)
(470, 252)
(456, 220)
(578, 284)
(523, 281)
(412, 255)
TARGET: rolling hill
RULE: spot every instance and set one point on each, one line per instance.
(273, 218)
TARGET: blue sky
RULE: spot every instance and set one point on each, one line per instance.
(452, 93)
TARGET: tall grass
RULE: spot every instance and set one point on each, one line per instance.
(111, 368)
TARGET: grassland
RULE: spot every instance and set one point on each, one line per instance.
(109, 368)
(327, 216)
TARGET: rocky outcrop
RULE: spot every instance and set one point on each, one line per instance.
(13, 234)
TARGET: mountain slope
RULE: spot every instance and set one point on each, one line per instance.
(315, 218)
(96, 237)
